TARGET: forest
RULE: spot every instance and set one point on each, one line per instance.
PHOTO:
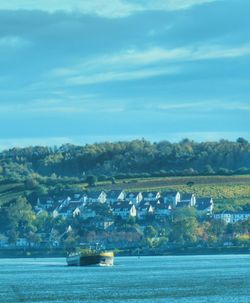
(137, 158)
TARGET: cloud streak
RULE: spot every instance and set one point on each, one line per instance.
(109, 9)
(135, 64)
(84, 105)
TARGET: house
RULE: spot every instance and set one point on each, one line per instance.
(134, 197)
(151, 196)
(204, 205)
(96, 197)
(64, 200)
(88, 212)
(73, 209)
(125, 210)
(115, 195)
(80, 197)
(188, 198)
(44, 203)
(232, 217)
(143, 211)
(162, 210)
(76, 208)
(182, 204)
(53, 210)
(104, 223)
(173, 197)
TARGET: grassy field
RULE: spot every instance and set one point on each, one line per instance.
(10, 191)
(228, 192)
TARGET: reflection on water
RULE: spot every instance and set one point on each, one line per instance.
(189, 279)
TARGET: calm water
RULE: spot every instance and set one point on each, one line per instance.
(148, 279)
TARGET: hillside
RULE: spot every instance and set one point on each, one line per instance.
(137, 158)
(218, 169)
(229, 192)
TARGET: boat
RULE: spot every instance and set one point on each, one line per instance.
(88, 258)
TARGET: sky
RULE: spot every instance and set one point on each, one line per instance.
(85, 71)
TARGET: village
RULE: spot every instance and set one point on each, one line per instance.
(117, 218)
(139, 205)
(118, 203)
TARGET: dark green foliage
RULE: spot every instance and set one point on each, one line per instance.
(150, 231)
(91, 180)
(138, 158)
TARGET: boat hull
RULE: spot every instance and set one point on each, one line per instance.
(97, 260)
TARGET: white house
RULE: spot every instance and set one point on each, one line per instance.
(88, 212)
(44, 203)
(125, 210)
(188, 198)
(73, 209)
(97, 197)
(204, 205)
(232, 217)
(172, 197)
(115, 195)
(134, 197)
(151, 196)
(162, 210)
(143, 211)
(104, 223)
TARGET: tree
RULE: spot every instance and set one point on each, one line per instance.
(242, 141)
(209, 170)
(91, 180)
(217, 230)
(20, 219)
(150, 231)
(184, 227)
(31, 183)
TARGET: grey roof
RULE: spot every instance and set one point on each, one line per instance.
(145, 206)
(95, 194)
(169, 193)
(133, 193)
(203, 203)
(162, 206)
(122, 205)
(186, 196)
(149, 193)
(203, 200)
(114, 194)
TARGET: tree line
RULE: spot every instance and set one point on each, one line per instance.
(137, 158)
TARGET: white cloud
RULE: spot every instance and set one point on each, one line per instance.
(110, 8)
(80, 104)
(65, 105)
(203, 106)
(120, 76)
(136, 64)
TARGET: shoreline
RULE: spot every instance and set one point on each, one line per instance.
(190, 251)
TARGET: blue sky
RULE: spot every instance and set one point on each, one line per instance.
(88, 71)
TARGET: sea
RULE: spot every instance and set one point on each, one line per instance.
(165, 279)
